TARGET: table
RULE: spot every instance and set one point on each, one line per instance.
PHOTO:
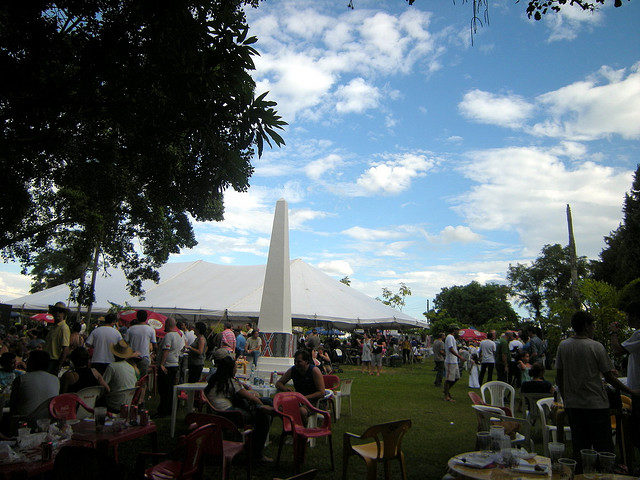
(190, 388)
(84, 432)
(31, 467)
(496, 473)
(264, 390)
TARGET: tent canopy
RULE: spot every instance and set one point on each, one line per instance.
(208, 291)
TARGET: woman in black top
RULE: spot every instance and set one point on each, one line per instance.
(81, 375)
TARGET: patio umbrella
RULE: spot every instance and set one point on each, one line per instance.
(472, 334)
(154, 320)
(42, 317)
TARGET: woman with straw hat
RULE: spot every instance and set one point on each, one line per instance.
(120, 375)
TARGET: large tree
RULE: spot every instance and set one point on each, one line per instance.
(619, 261)
(476, 304)
(120, 123)
(544, 280)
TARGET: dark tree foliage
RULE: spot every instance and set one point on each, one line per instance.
(120, 122)
(476, 304)
(619, 261)
(538, 8)
(546, 279)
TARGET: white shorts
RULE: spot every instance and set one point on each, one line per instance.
(451, 372)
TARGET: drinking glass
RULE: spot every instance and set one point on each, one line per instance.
(506, 451)
(556, 449)
(43, 424)
(606, 464)
(568, 468)
(483, 442)
(100, 415)
(589, 458)
(496, 432)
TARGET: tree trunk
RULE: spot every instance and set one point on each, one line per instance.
(94, 272)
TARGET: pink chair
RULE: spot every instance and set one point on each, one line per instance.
(287, 406)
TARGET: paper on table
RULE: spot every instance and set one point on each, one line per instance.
(474, 461)
(526, 467)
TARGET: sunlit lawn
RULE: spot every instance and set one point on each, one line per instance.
(440, 429)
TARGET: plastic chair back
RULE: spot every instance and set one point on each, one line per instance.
(232, 414)
(544, 407)
(475, 398)
(524, 429)
(89, 396)
(388, 435)
(195, 444)
(529, 405)
(484, 414)
(497, 391)
(345, 387)
(215, 444)
(331, 381)
(65, 406)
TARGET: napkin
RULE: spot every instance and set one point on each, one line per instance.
(526, 467)
(475, 461)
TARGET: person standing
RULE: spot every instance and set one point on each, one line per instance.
(581, 362)
(58, 339)
(241, 344)
(313, 340)
(473, 364)
(487, 357)
(377, 349)
(367, 354)
(515, 345)
(101, 340)
(438, 359)
(632, 347)
(254, 346)
(451, 360)
(142, 338)
(168, 365)
(502, 357)
(196, 352)
(228, 339)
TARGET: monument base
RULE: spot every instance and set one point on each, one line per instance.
(268, 365)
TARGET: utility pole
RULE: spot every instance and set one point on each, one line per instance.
(573, 259)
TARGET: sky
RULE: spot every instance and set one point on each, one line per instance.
(414, 156)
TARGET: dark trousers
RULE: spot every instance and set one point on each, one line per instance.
(501, 372)
(195, 372)
(514, 375)
(439, 373)
(486, 367)
(591, 429)
(635, 420)
(406, 356)
(166, 381)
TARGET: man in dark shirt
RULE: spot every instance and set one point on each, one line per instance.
(307, 379)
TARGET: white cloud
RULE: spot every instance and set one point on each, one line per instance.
(318, 168)
(566, 24)
(368, 234)
(13, 285)
(297, 218)
(336, 267)
(527, 190)
(459, 233)
(503, 110)
(588, 110)
(393, 175)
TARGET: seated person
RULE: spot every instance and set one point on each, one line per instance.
(81, 375)
(121, 374)
(34, 387)
(225, 392)
(537, 384)
(8, 372)
(524, 366)
(307, 379)
(325, 360)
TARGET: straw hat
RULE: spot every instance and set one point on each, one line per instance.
(121, 350)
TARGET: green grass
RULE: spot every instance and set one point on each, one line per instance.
(439, 429)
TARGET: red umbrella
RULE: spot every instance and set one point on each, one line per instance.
(472, 334)
(43, 317)
(155, 320)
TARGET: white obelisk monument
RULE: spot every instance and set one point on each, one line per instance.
(274, 321)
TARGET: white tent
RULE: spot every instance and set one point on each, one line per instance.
(203, 290)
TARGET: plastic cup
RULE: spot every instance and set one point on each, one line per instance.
(556, 450)
(496, 432)
(606, 464)
(43, 424)
(589, 459)
(483, 442)
(568, 468)
(100, 416)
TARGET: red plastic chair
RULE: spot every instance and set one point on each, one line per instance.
(189, 466)
(217, 447)
(65, 406)
(477, 400)
(287, 406)
(332, 382)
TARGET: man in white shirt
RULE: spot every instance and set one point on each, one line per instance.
(632, 347)
(101, 340)
(515, 346)
(142, 338)
(451, 359)
(487, 357)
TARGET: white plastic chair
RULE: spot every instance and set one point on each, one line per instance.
(345, 391)
(485, 414)
(488, 416)
(497, 391)
(544, 406)
(89, 396)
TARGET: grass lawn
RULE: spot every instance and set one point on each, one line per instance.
(440, 429)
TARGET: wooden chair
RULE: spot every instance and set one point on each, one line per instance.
(65, 406)
(191, 447)
(310, 475)
(385, 447)
(497, 391)
(287, 406)
(217, 447)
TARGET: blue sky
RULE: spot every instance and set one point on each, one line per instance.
(415, 157)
